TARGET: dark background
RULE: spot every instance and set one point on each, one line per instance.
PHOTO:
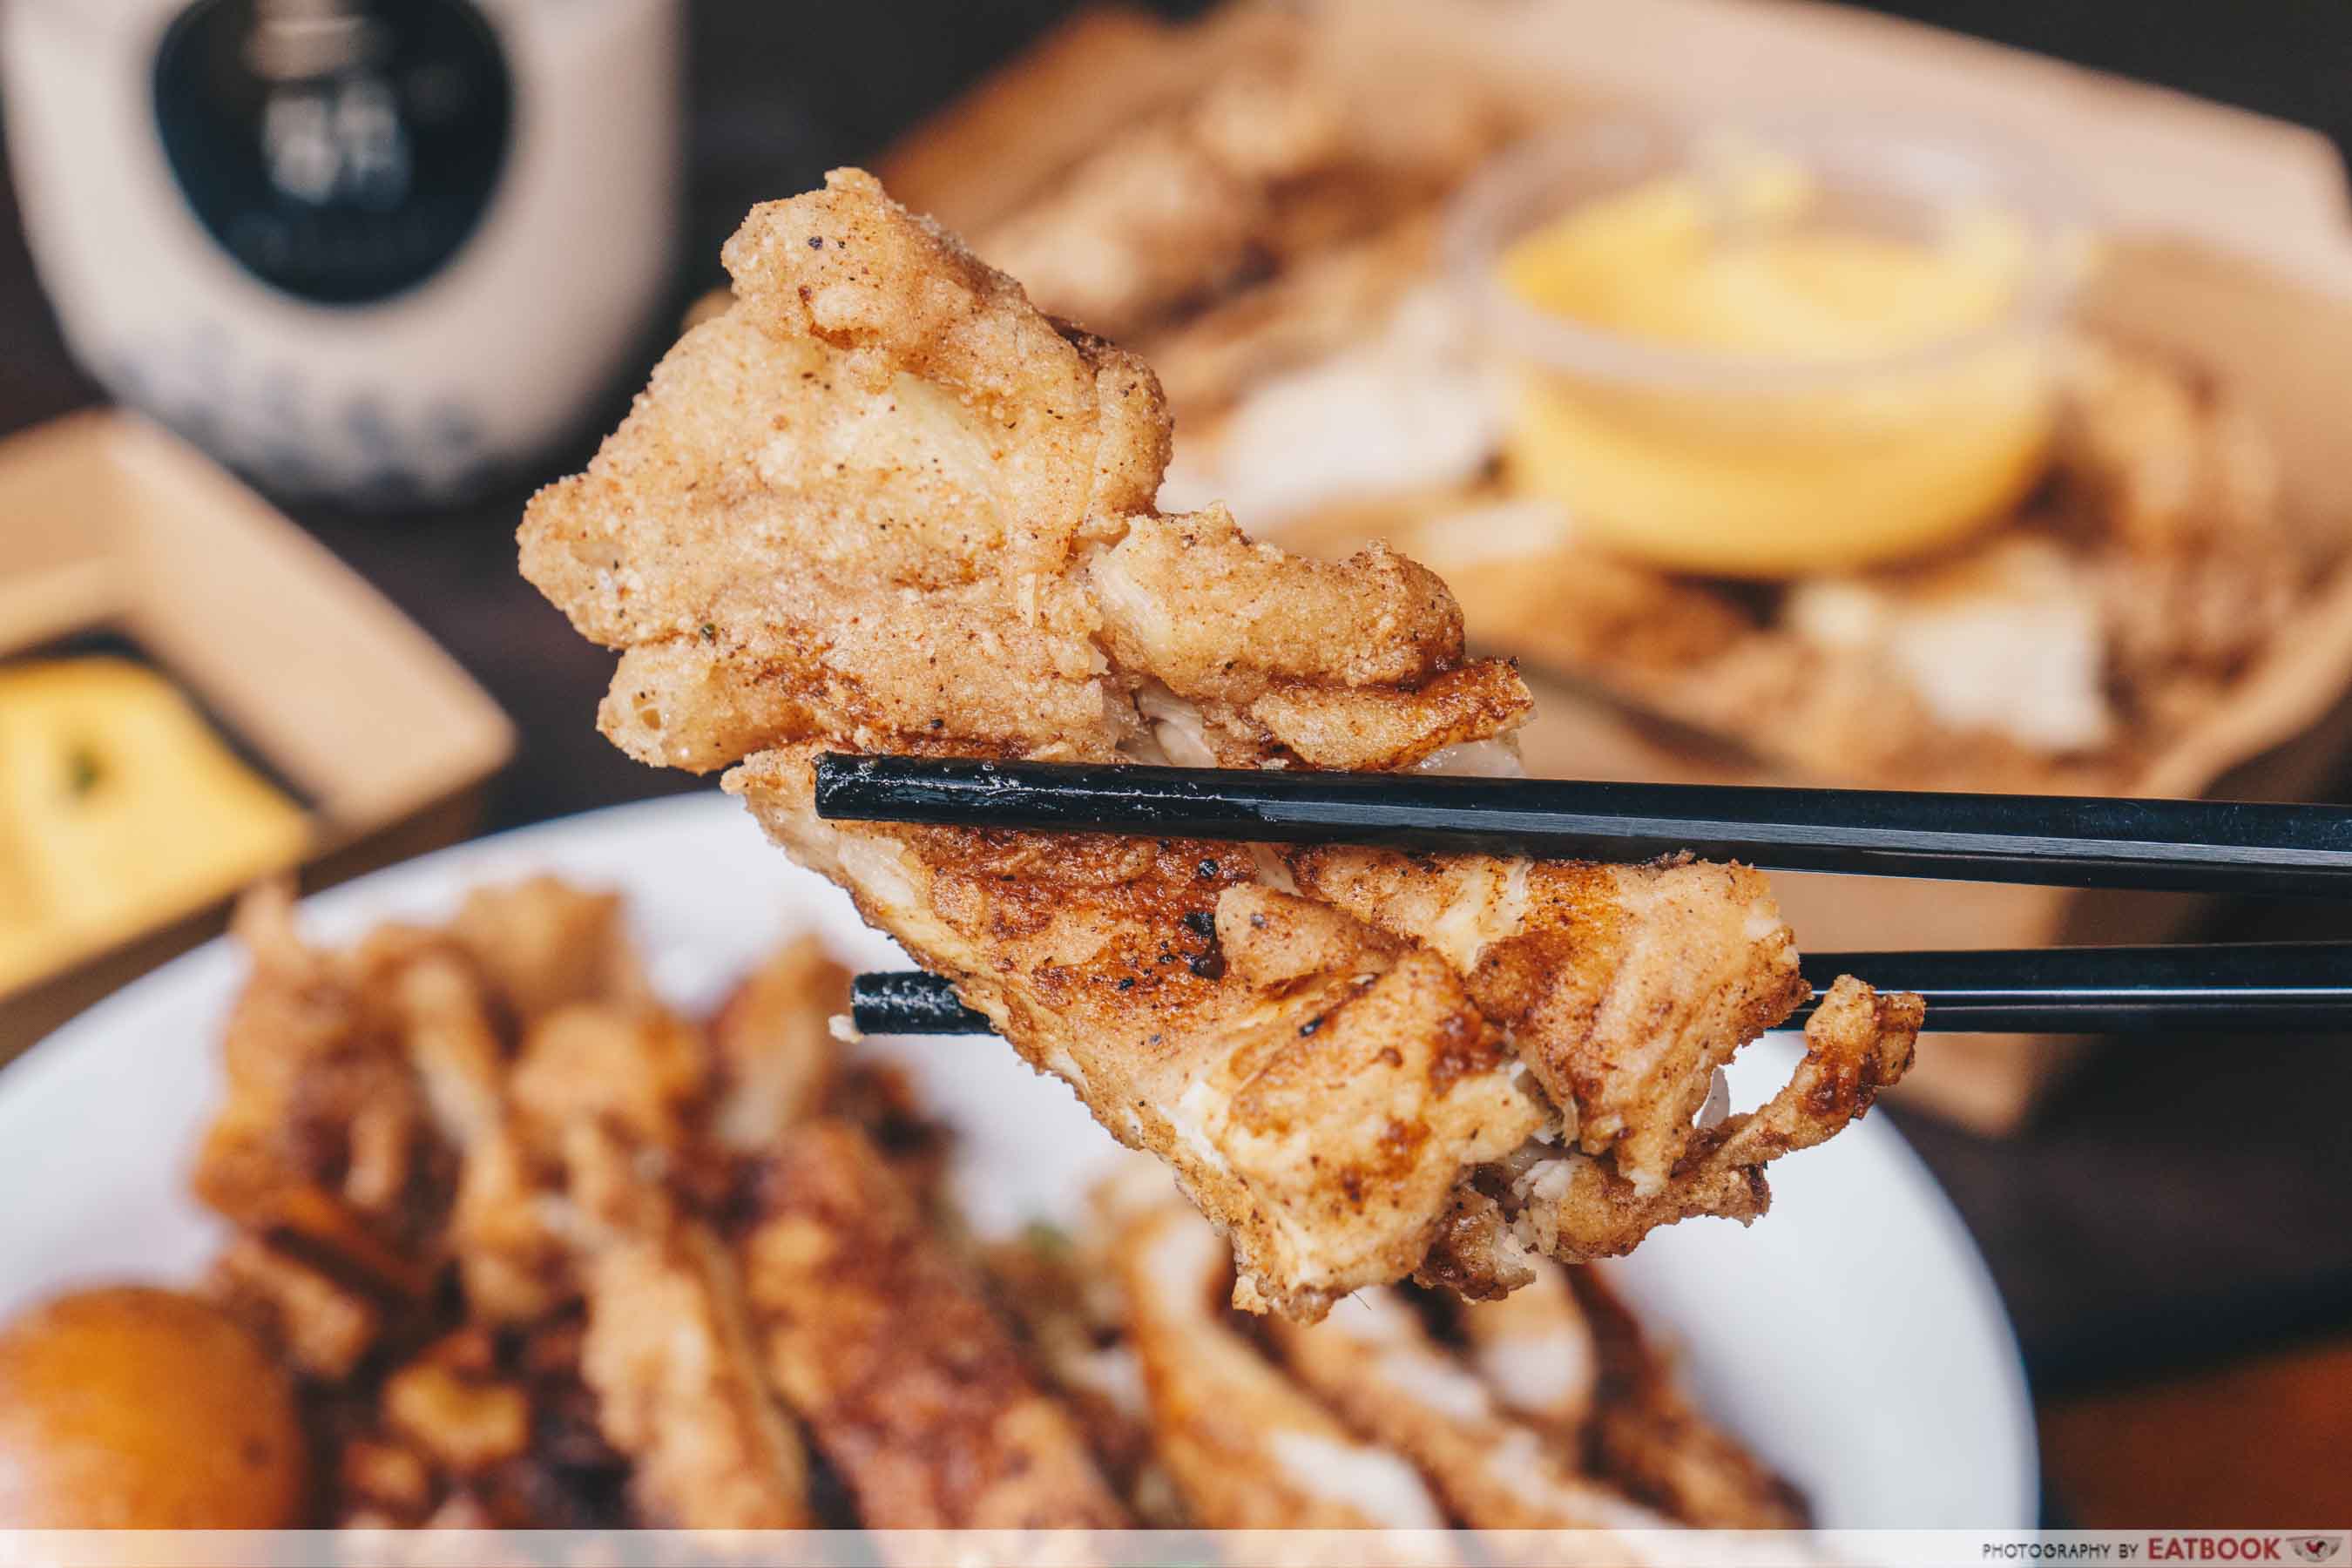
(2179, 1202)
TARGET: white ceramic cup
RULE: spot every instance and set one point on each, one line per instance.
(395, 264)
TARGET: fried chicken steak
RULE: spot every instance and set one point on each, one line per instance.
(882, 504)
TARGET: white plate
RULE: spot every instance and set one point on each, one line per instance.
(1852, 1336)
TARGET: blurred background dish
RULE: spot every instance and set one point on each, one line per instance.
(2167, 1227)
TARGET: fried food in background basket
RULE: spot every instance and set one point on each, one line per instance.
(538, 1252)
(1334, 387)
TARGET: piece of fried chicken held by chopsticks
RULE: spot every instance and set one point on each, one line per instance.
(883, 504)
(1320, 1090)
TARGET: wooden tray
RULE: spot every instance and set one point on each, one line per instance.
(115, 527)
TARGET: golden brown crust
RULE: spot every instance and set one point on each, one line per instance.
(1376, 1366)
(1355, 731)
(842, 498)
(1624, 987)
(325, 1135)
(568, 1476)
(914, 1392)
(541, 943)
(1214, 617)
(1580, 1209)
(320, 1325)
(774, 1061)
(670, 1356)
(1217, 199)
(1316, 308)
(1064, 1300)
(1176, 208)
(641, 1294)
(1323, 1117)
(1475, 1255)
(1248, 1448)
(884, 504)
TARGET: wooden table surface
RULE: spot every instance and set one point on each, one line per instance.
(2174, 1238)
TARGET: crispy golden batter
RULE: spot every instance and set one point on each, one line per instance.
(507, 1229)
(366, 1116)
(636, 1069)
(885, 505)
(1341, 665)
(659, 1256)
(325, 1136)
(1216, 198)
(629, 1067)
(541, 943)
(1249, 1449)
(1578, 1208)
(1176, 208)
(500, 1098)
(2174, 490)
(851, 504)
(1826, 675)
(475, 1429)
(1314, 308)
(1624, 987)
(777, 1062)
(1324, 1113)
(455, 1409)
(670, 1355)
(1374, 1363)
(883, 1343)
(1476, 1256)
(1534, 588)
(2167, 463)
(321, 1326)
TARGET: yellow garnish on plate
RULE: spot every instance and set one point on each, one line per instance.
(120, 809)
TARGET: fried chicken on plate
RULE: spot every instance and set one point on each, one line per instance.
(884, 505)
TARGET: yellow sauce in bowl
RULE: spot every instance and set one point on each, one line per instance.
(120, 810)
(1836, 396)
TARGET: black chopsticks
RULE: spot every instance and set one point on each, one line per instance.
(2183, 846)
(2250, 988)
